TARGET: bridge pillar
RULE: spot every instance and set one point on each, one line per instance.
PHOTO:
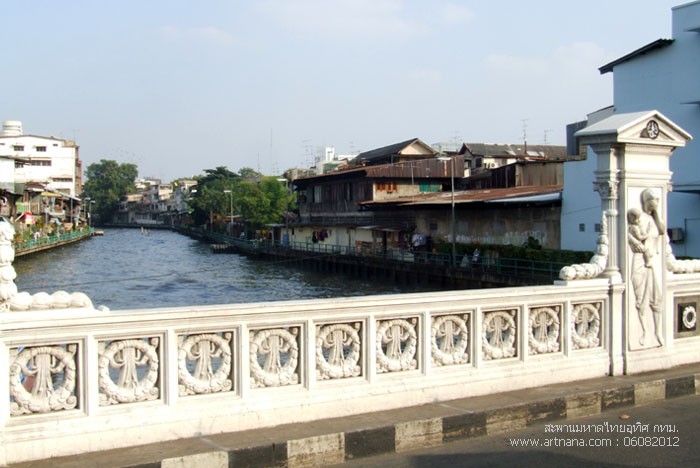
(633, 177)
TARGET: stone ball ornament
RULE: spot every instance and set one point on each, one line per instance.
(12, 300)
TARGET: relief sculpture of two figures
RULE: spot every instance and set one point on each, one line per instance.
(645, 236)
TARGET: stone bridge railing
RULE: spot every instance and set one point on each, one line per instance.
(110, 379)
(80, 379)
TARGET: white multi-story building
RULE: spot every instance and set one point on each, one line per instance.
(663, 75)
(52, 163)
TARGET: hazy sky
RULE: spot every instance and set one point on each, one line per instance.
(179, 86)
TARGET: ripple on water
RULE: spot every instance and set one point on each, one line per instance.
(126, 270)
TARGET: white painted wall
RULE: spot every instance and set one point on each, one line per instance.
(62, 153)
(7, 173)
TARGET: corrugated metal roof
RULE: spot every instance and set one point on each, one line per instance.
(519, 150)
(432, 168)
(528, 194)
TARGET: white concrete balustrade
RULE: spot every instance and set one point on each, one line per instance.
(109, 379)
(80, 379)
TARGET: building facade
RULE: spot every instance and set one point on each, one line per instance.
(331, 206)
(389, 196)
(662, 75)
(155, 203)
(49, 161)
(40, 177)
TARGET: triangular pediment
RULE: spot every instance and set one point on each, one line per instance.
(649, 127)
(417, 147)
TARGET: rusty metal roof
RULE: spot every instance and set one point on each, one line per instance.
(526, 194)
(431, 168)
(519, 151)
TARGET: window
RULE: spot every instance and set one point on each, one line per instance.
(41, 149)
(426, 187)
(18, 148)
(598, 227)
(317, 194)
(581, 227)
(41, 162)
(386, 187)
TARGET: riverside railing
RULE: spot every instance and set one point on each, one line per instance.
(82, 380)
(499, 265)
(42, 242)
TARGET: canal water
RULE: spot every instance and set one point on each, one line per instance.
(125, 269)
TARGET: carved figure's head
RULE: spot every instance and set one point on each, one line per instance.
(633, 215)
(650, 201)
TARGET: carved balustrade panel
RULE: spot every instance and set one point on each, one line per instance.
(43, 379)
(499, 334)
(687, 319)
(338, 350)
(274, 357)
(544, 331)
(585, 325)
(397, 345)
(129, 370)
(204, 363)
(449, 338)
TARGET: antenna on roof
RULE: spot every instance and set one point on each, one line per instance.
(273, 159)
(524, 121)
(545, 142)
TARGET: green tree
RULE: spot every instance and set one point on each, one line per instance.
(249, 174)
(210, 198)
(262, 202)
(259, 200)
(108, 181)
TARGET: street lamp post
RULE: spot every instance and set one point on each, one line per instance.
(92, 202)
(286, 214)
(230, 193)
(86, 206)
(188, 205)
(452, 223)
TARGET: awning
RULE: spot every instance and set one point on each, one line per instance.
(545, 197)
(53, 194)
(27, 217)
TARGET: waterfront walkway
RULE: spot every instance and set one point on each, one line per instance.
(402, 266)
(50, 242)
(331, 441)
